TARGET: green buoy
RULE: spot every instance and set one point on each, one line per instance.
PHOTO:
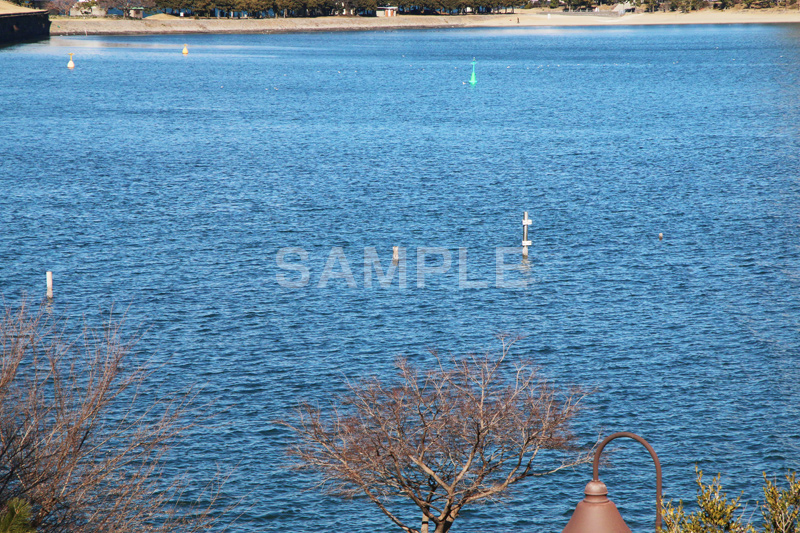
(472, 79)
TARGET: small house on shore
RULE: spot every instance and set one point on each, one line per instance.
(390, 11)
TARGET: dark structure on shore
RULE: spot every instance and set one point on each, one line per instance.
(22, 24)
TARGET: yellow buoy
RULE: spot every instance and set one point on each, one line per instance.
(70, 64)
(185, 50)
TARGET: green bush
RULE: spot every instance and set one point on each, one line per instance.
(16, 517)
(781, 509)
(719, 514)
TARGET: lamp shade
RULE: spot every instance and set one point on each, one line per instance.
(596, 513)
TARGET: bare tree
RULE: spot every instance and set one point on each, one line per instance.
(59, 7)
(126, 5)
(460, 434)
(82, 440)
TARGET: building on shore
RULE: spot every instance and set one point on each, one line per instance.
(389, 11)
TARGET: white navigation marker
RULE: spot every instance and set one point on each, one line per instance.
(525, 242)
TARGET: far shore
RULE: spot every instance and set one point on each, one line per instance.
(522, 18)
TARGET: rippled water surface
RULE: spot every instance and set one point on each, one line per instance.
(168, 184)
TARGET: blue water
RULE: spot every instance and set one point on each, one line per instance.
(166, 185)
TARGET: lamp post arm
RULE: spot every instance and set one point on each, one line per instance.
(637, 438)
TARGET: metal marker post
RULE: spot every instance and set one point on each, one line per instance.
(525, 242)
(473, 80)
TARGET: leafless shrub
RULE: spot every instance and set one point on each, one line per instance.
(81, 438)
(460, 434)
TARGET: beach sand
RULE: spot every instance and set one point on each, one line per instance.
(522, 18)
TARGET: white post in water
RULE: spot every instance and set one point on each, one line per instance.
(395, 254)
(525, 242)
(49, 285)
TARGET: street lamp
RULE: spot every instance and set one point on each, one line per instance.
(596, 513)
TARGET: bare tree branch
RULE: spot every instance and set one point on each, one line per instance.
(83, 440)
(459, 434)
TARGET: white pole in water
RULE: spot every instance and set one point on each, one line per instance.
(395, 254)
(525, 242)
(49, 285)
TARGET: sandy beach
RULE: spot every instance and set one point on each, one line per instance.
(522, 18)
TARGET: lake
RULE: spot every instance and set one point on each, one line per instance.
(168, 185)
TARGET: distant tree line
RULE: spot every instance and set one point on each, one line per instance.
(315, 8)
(312, 8)
(663, 5)
(265, 8)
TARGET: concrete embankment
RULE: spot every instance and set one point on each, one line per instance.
(22, 24)
(83, 26)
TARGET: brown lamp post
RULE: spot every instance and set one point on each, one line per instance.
(596, 513)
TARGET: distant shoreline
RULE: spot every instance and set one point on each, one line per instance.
(62, 26)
